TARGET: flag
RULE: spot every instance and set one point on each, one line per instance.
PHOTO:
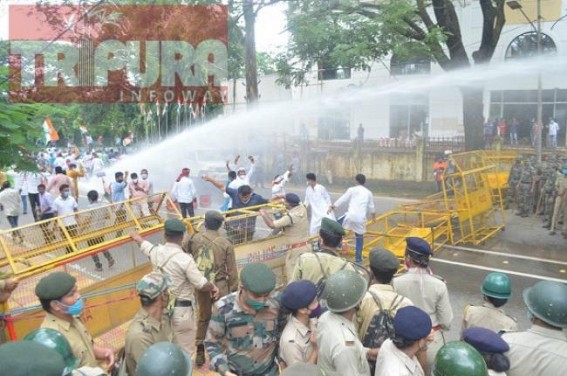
(83, 129)
(49, 131)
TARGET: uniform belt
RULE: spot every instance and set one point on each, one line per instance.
(183, 303)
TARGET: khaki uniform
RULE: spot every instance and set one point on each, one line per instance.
(340, 350)
(560, 205)
(226, 274)
(295, 344)
(78, 336)
(296, 229)
(537, 351)
(143, 332)
(185, 277)
(369, 308)
(428, 292)
(311, 267)
(489, 317)
(392, 361)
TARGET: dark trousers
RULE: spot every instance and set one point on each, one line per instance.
(96, 257)
(47, 232)
(34, 203)
(186, 208)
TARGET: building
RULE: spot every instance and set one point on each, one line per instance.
(437, 111)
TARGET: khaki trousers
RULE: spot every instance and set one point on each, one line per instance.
(185, 329)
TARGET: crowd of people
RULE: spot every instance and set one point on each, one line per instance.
(540, 189)
(508, 132)
(334, 317)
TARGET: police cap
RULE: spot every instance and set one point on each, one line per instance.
(55, 285)
(292, 199)
(213, 219)
(298, 294)
(334, 227)
(485, 340)
(412, 323)
(383, 260)
(174, 227)
(418, 246)
(258, 278)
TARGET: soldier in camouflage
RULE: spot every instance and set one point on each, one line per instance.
(549, 195)
(245, 326)
(524, 190)
(513, 180)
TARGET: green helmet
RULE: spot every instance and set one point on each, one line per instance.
(164, 359)
(344, 290)
(459, 358)
(497, 285)
(547, 301)
(56, 341)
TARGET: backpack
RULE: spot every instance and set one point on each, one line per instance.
(320, 285)
(205, 259)
(381, 326)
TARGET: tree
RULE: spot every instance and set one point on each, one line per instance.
(429, 27)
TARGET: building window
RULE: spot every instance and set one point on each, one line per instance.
(334, 73)
(400, 66)
(408, 115)
(525, 45)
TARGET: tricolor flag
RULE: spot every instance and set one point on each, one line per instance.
(49, 131)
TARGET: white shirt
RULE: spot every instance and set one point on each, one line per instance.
(97, 164)
(22, 183)
(184, 190)
(278, 189)
(64, 207)
(318, 199)
(392, 361)
(360, 202)
(34, 179)
(60, 162)
(11, 201)
(553, 128)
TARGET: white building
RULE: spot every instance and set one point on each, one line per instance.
(438, 112)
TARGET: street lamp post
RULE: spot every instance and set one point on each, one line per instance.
(515, 5)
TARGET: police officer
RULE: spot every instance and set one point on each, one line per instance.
(496, 290)
(426, 290)
(513, 180)
(25, 358)
(152, 323)
(295, 225)
(222, 271)
(399, 355)
(317, 266)
(245, 326)
(380, 295)
(525, 191)
(164, 359)
(170, 259)
(542, 349)
(298, 343)
(60, 298)
(459, 358)
(340, 349)
(492, 348)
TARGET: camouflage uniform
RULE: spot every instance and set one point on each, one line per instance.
(524, 192)
(242, 341)
(549, 196)
(513, 180)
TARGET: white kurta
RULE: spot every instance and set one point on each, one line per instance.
(318, 199)
(360, 203)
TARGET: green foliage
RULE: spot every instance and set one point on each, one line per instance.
(266, 63)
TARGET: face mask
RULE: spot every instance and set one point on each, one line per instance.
(255, 305)
(315, 312)
(144, 176)
(134, 181)
(75, 309)
(65, 194)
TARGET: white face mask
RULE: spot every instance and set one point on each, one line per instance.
(134, 181)
(144, 176)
